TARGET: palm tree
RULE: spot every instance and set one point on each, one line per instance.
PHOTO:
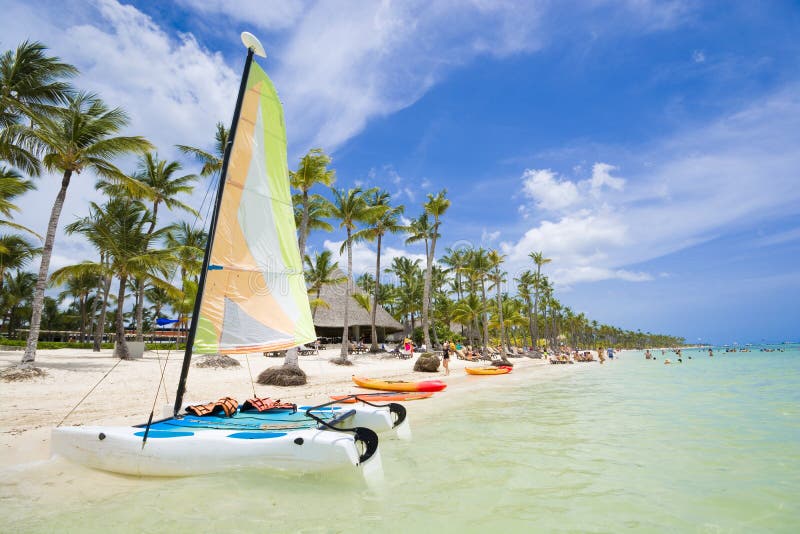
(387, 221)
(479, 268)
(524, 285)
(350, 208)
(165, 186)
(495, 260)
(212, 161)
(15, 253)
(320, 271)
(79, 138)
(78, 286)
(18, 291)
(313, 170)
(467, 311)
(30, 84)
(436, 206)
(409, 274)
(12, 185)
(539, 259)
(316, 208)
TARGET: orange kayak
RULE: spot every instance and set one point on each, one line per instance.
(399, 385)
(382, 397)
(487, 370)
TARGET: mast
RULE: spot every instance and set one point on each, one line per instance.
(253, 46)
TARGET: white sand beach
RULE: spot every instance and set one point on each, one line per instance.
(126, 395)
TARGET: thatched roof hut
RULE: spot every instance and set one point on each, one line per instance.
(329, 321)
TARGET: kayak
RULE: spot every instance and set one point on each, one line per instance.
(399, 385)
(381, 397)
(487, 370)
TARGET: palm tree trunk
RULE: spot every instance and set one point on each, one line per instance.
(304, 226)
(122, 347)
(140, 310)
(345, 330)
(101, 323)
(83, 318)
(426, 290)
(44, 268)
(374, 332)
(485, 318)
(503, 340)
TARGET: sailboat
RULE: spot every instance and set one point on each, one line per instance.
(251, 298)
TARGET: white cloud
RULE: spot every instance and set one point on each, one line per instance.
(549, 192)
(601, 176)
(698, 56)
(487, 238)
(265, 14)
(698, 184)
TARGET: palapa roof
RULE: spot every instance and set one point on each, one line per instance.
(333, 315)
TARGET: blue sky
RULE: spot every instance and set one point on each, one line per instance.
(649, 148)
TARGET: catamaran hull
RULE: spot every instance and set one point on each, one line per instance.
(119, 450)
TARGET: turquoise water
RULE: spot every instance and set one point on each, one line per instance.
(709, 445)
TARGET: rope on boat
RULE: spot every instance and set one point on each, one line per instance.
(252, 384)
(158, 390)
(89, 393)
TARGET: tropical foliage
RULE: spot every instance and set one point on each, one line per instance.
(148, 237)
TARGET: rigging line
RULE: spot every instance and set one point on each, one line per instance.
(89, 393)
(155, 400)
(252, 384)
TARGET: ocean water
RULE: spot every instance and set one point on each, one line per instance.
(709, 445)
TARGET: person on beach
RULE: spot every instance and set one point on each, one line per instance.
(610, 353)
(446, 357)
(600, 355)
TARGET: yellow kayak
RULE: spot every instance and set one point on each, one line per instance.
(487, 370)
(399, 385)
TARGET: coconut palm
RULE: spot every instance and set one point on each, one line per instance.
(82, 137)
(525, 285)
(467, 311)
(15, 253)
(316, 208)
(12, 185)
(161, 177)
(17, 292)
(538, 259)
(409, 274)
(31, 83)
(436, 206)
(212, 161)
(313, 170)
(321, 271)
(79, 287)
(478, 272)
(350, 207)
(496, 259)
(386, 221)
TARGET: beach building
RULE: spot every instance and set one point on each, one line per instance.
(329, 318)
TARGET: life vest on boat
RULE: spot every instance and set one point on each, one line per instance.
(226, 405)
(264, 404)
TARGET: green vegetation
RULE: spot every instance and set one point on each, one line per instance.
(47, 124)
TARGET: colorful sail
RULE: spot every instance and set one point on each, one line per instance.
(255, 295)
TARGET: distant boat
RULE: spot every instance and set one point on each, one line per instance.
(251, 298)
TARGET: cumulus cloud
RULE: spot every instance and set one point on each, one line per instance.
(549, 193)
(697, 184)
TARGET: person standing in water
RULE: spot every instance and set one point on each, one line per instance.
(710, 352)
(600, 355)
(446, 357)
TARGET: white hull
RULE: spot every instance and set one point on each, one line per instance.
(209, 451)
(185, 451)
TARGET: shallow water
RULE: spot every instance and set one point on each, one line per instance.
(709, 445)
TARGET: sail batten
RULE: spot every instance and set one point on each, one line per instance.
(254, 298)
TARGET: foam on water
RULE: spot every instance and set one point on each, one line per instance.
(712, 444)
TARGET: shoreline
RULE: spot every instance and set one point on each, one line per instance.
(126, 395)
